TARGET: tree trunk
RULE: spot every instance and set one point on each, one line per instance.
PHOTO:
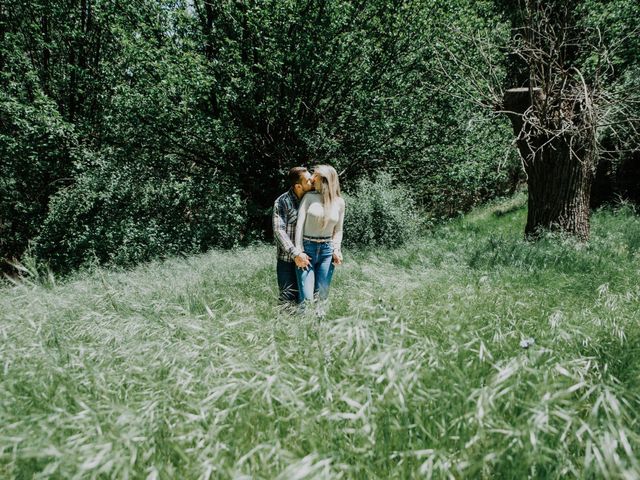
(559, 170)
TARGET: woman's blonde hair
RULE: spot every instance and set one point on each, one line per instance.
(330, 189)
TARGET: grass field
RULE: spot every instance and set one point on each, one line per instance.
(469, 353)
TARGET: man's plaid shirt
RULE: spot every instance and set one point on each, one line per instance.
(285, 217)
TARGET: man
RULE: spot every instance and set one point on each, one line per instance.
(285, 216)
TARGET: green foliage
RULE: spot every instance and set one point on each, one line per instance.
(129, 214)
(38, 150)
(613, 27)
(465, 156)
(380, 213)
(466, 171)
(187, 368)
(241, 92)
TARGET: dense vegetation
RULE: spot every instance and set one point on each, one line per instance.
(468, 353)
(138, 129)
(134, 130)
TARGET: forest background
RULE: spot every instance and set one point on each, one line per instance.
(144, 129)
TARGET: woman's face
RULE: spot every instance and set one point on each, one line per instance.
(317, 182)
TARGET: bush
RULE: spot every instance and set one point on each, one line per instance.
(379, 213)
(122, 216)
(37, 152)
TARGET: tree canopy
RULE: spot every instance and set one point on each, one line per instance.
(131, 130)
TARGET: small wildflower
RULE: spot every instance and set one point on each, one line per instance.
(527, 342)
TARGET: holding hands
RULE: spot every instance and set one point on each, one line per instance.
(302, 261)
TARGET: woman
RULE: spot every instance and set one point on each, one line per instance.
(319, 234)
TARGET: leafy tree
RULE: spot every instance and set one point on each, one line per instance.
(50, 85)
(557, 112)
(38, 151)
(613, 24)
(220, 99)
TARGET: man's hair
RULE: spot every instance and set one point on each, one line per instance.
(295, 174)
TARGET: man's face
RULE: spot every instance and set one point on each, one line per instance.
(305, 182)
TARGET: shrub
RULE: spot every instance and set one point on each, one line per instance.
(125, 215)
(380, 213)
(37, 152)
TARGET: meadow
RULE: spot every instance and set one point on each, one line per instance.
(466, 353)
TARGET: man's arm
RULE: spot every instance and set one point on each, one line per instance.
(280, 231)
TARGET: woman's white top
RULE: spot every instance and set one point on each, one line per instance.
(311, 215)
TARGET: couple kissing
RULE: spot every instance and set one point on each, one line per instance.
(307, 227)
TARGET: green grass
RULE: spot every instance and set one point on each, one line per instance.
(188, 369)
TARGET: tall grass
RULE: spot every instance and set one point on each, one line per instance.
(469, 353)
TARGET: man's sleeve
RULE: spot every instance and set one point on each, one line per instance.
(280, 230)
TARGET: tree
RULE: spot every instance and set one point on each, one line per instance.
(555, 117)
(618, 169)
(564, 95)
(139, 122)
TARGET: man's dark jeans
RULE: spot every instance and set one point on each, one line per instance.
(287, 281)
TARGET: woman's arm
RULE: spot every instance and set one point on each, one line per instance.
(302, 216)
(337, 231)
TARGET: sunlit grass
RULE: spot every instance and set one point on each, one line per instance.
(188, 368)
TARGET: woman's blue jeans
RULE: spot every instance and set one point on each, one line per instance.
(316, 278)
